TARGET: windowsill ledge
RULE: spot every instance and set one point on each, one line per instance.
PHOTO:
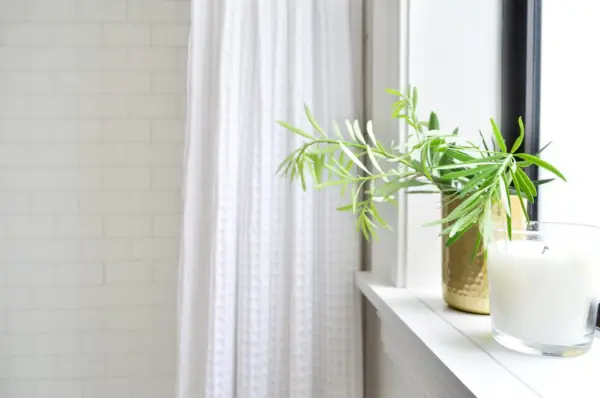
(464, 346)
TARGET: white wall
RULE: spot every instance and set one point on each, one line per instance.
(91, 128)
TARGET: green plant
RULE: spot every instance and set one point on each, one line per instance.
(481, 176)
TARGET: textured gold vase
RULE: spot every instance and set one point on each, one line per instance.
(465, 283)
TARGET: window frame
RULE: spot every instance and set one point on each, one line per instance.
(404, 46)
(521, 73)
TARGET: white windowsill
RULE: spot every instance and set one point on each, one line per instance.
(463, 344)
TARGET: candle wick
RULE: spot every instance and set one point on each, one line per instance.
(545, 248)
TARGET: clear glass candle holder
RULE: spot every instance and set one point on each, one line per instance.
(544, 288)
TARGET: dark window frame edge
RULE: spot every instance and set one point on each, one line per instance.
(521, 71)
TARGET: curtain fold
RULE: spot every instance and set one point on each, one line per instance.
(267, 304)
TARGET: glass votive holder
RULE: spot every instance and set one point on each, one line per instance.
(544, 288)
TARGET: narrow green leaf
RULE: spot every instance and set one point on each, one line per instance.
(364, 230)
(286, 162)
(312, 164)
(341, 169)
(354, 159)
(377, 216)
(349, 166)
(443, 161)
(514, 192)
(457, 229)
(468, 172)
(412, 124)
(370, 133)
(296, 130)
(369, 222)
(311, 155)
(345, 208)
(461, 225)
(451, 198)
(467, 221)
(394, 92)
(418, 146)
(323, 150)
(357, 133)
(476, 249)
(509, 226)
(478, 180)
(523, 164)
(374, 161)
(355, 194)
(397, 107)
(395, 186)
(526, 184)
(332, 183)
(342, 157)
(498, 136)
(350, 130)
(537, 183)
(288, 167)
(421, 192)
(520, 196)
(493, 160)
(523, 188)
(452, 239)
(338, 132)
(302, 178)
(481, 162)
(544, 148)
(539, 162)
(293, 172)
(415, 97)
(434, 122)
(519, 139)
(504, 196)
(424, 162)
(370, 229)
(486, 224)
(433, 150)
(461, 156)
(464, 208)
(319, 166)
(483, 141)
(343, 190)
(417, 166)
(528, 181)
(313, 172)
(313, 122)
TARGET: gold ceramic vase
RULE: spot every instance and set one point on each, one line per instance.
(465, 282)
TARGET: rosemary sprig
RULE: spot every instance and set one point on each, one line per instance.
(480, 176)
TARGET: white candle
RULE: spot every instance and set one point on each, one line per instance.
(541, 296)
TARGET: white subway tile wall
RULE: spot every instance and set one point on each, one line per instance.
(92, 105)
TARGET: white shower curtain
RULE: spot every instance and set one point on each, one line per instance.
(267, 302)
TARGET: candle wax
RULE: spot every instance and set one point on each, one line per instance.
(541, 294)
